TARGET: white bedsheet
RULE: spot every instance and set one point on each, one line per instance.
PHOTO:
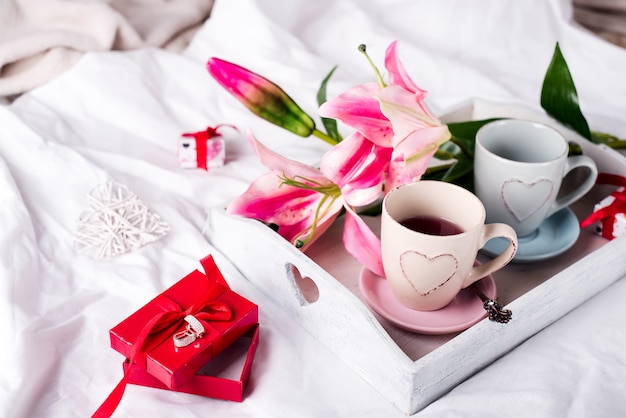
(116, 116)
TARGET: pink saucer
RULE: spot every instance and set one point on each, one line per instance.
(464, 311)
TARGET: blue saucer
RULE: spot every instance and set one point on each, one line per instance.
(557, 234)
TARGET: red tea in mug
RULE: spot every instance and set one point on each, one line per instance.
(431, 225)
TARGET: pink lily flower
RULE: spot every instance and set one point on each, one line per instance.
(393, 116)
(299, 198)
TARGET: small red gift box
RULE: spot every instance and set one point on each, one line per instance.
(205, 149)
(163, 338)
(208, 382)
(174, 335)
(613, 224)
(610, 212)
(201, 152)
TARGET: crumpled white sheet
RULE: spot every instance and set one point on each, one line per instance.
(116, 116)
(39, 39)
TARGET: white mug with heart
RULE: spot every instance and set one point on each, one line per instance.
(431, 232)
(519, 166)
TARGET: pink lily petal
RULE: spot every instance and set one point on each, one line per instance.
(397, 73)
(353, 161)
(397, 174)
(419, 147)
(270, 200)
(405, 112)
(374, 170)
(362, 197)
(358, 167)
(362, 243)
(357, 107)
(292, 208)
(275, 161)
(418, 133)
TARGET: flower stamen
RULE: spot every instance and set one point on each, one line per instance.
(379, 77)
(329, 191)
(308, 235)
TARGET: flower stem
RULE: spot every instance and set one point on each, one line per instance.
(321, 135)
(607, 139)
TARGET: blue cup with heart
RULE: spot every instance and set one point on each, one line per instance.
(431, 232)
(519, 167)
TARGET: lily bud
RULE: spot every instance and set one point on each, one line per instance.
(261, 96)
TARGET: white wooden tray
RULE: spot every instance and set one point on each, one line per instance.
(412, 370)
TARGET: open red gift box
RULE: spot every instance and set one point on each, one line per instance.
(208, 382)
(162, 337)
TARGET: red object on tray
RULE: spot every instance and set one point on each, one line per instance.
(611, 211)
(205, 383)
(181, 330)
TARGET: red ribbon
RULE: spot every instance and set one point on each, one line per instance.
(202, 139)
(162, 327)
(607, 214)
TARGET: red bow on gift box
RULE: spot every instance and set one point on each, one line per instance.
(163, 326)
(607, 214)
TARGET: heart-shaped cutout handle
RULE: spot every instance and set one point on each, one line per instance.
(306, 290)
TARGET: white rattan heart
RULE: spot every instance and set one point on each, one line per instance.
(115, 223)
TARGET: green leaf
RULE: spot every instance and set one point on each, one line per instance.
(329, 124)
(464, 134)
(374, 209)
(559, 97)
(460, 172)
(468, 129)
(460, 148)
(447, 151)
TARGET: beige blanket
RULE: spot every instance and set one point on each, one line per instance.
(39, 39)
(607, 18)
